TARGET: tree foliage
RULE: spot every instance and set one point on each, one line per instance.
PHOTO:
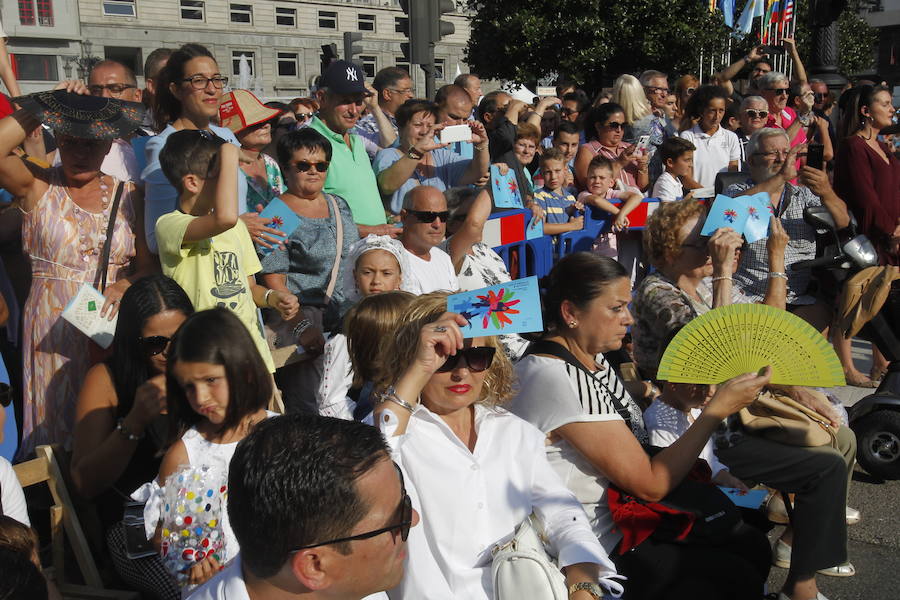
(592, 41)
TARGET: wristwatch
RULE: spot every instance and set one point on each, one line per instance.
(414, 154)
(806, 119)
(591, 588)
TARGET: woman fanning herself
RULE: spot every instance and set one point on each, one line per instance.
(595, 432)
(474, 471)
(120, 421)
(217, 388)
(66, 213)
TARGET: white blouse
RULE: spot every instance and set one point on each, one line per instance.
(337, 377)
(469, 502)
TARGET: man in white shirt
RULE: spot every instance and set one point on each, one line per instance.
(320, 511)
(424, 217)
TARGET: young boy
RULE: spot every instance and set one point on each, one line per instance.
(560, 208)
(677, 156)
(567, 138)
(203, 245)
(601, 181)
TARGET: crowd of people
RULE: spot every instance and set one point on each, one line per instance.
(367, 447)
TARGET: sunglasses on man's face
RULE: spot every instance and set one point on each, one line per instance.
(476, 359)
(303, 166)
(779, 91)
(756, 114)
(154, 344)
(428, 216)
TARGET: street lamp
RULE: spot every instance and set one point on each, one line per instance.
(85, 62)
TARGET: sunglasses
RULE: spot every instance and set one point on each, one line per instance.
(818, 97)
(404, 524)
(756, 114)
(154, 344)
(428, 216)
(476, 359)
(779, 91)
(690, 91)
(615, 125)
(113, 88)
(303, 116)
(303, 166)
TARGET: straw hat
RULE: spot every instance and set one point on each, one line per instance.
(240, 109)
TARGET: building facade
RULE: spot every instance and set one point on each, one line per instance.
(885, 16)
(280, 40)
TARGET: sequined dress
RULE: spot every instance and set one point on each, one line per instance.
(64, 243)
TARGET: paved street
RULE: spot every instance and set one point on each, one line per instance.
(874, 543)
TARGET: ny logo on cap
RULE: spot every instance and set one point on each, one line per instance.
(351, 74)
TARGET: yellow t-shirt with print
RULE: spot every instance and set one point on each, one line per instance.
(213, 271)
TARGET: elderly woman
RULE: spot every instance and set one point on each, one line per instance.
(604, 129)
(680, 290)
(421, 159)
(307, 265)
(717, 148)
(475, 471)
(752, 116)
(252, 123)
(66, 214)
(594, 434)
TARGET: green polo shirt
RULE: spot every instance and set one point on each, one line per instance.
(351, 177)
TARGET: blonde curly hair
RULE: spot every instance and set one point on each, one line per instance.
(661, 233)
(401, 348)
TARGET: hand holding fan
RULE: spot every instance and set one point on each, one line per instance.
(743, 338)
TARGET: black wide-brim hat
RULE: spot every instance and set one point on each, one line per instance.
(82, 116)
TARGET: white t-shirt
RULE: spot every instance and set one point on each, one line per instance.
(713, 152)
(667, 188)
(433, 275)
(13, 498)
(666, 424)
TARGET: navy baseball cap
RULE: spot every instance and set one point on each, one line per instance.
(343, 77)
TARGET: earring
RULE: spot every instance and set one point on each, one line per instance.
(572, 324)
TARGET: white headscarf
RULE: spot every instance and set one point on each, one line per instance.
(367, 244)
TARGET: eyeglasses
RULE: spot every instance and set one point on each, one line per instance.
(756, 114)
(773, 153)
(428, 216)
(200, 82)
(615, 125)
(476, 359)
(699, 245)
(819, 97)
(404, 524)
(779, 91)
(303, 166)
(115, 89)
(656, 90)
(301, 117)
(406, 92)
(154, 344)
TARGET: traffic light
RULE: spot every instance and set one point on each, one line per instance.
(438, 28)
(328, 56)
(351, 49)
(419, 49)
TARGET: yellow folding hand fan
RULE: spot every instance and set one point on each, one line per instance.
(743, 338)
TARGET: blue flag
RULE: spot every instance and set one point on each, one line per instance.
(753, 9)
(727, 8)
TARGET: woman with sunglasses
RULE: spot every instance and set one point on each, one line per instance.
(253, 123)
(120, 427)
(189, 89)
(473, 470)
(304, 110)
(305, 265)
(604, 130)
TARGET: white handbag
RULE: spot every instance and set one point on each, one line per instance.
(523, 569)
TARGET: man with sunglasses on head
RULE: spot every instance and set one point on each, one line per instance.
(320, 511)
(424, 216)
(341, 96)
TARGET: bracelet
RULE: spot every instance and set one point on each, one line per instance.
(120, 427)
(414, 154)
(482, 147)
(301, 327)
(723, 278)
(266, 298)
(777, 274)
(390, 395)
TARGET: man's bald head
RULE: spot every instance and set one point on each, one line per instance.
(454, 103)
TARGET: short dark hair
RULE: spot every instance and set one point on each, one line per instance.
(488, 104)
(577, 96)
(579, 278)
(20, 578)
(600, 162)
(130, 79)
(673, 147)
(701, 98)
(153, 64)
(166, 107)
(292, 482)
(128, 364)
(599, 115)
(188, 152)
(412, 107)
(305, 138)
(566, 127)
(389, 76)
(217, 337)
(553, 154)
